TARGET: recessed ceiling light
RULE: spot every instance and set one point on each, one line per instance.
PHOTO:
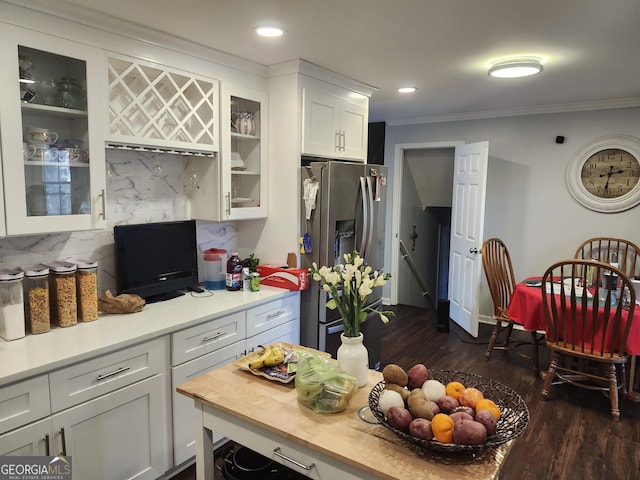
(407, 89)
(516, 67)
(269, 31)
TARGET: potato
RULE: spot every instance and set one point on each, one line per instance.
(420, 407)
(468, 410)
(397, 388)
(433, 390)
(469, 432)
(421, 428)
(388, 399)
(486, 418)
(399, 418)
(417, 375)
(393, 373)
(456, 416)
(447, 403)
(434, 407)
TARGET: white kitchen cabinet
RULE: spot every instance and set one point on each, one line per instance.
(184, 435)
(263, 320)
(242, 173)
(33, 439)
(60, 188)
(110, 413)
(195, 351)
(210, 345)
(335, 121)
(158, 107)
(119, 435)
(24, 402)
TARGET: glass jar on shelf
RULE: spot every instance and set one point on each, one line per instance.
(36, 298)
(11, 304)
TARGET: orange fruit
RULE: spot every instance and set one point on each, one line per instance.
(442, 428)
(470, 396)
(454, 389)
(486, 404)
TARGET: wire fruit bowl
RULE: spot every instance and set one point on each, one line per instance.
(513, 421)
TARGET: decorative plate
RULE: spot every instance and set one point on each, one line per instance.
(513, 421)
(283, 373)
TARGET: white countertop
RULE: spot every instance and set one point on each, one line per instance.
(36, 354)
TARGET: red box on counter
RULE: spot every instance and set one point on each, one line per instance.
(283, 277)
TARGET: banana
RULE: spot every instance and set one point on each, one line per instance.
(275, 358)
(259, 362)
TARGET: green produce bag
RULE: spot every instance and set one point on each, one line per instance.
(321, 385)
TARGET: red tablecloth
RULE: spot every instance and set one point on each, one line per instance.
(525, 308)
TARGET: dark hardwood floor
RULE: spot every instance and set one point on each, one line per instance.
(571, 436)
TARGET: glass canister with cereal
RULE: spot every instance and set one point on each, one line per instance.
(11, 304)
(36, 298)
(62, 293)
(87, 290)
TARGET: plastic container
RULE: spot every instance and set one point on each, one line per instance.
(87, 290)
(215, 269)
(36, 299)
(11, 304)
(234, 273)
(62, 292)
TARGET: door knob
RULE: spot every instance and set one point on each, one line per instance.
(474, 250)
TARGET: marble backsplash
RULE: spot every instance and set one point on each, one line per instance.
(142, 187)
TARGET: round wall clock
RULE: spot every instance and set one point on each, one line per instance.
(604, 176)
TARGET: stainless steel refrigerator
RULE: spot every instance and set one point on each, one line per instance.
(343, 209)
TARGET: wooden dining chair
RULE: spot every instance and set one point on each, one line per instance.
(498, 270)
(587, 327)
(604, 249)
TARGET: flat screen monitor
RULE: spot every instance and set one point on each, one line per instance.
(156, 260)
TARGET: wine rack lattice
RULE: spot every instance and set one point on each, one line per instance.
(155, 105)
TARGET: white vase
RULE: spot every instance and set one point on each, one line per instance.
(353, 358)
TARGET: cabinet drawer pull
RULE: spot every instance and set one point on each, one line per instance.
(47, 448)
(277, 452)
(213, 337)
(276, 314)
(115, 372)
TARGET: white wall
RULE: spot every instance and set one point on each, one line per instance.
(528, 204)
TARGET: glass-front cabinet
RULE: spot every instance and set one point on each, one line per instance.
(236, 183)
(244, 168)
(52, 131)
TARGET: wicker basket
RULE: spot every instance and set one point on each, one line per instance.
(513, 421)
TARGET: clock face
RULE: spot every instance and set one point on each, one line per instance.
(604, 175)
(610, 173)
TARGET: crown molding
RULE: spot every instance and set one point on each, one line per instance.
(536, 110)
(17, 12)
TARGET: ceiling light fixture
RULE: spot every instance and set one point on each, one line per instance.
(407, 89)
(269, 31)
(516, 67)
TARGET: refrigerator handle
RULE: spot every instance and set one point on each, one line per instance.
(371, 222)
(365, 218)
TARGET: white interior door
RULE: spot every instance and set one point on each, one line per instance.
(467, 226)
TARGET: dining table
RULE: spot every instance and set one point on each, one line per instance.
(526, 309)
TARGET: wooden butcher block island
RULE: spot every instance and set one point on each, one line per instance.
(266, 416)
